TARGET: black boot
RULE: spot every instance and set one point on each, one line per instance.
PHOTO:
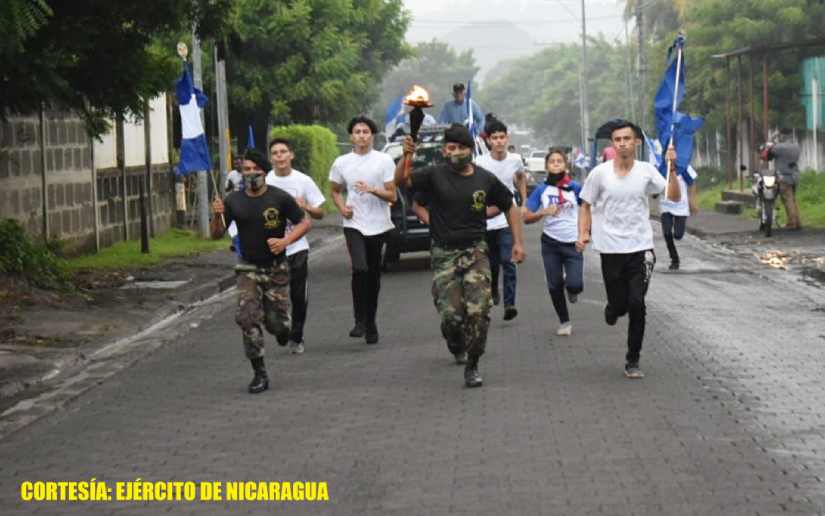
(371, 333)
(260, 382)
(471, 376)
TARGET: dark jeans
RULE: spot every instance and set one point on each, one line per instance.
(500, 251)
(298, 292)
(563, 268)
(625, 281)
(673, 228)
(365, 256)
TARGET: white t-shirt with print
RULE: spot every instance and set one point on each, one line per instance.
(564, 225)
(681, 208)
(371, 215)
(505, 170)
(620, 208)
(297, 184)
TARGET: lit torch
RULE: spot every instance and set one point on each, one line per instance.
(418, 98)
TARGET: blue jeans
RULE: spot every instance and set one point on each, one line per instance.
(500, 251)
(563, 268)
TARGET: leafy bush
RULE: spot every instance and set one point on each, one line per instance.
(315, 150)
(19, 256)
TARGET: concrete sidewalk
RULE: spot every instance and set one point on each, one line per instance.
(711, 223)
(54, 335)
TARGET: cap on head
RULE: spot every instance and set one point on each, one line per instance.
(257, 157)
(457, 133)
(457, 87)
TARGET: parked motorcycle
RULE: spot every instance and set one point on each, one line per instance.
(765, 189)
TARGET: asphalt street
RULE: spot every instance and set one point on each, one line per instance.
(727, 421)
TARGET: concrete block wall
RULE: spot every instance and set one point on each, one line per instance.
(69, 195)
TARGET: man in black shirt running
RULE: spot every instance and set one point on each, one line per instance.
(460, 194)
(260, 213)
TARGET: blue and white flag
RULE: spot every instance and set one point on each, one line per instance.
(194, 153)
(472, 123)
(654, 153)
(671, 124)
(582, 161)
(394, 116)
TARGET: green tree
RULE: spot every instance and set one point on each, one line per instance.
(541, 92)
(308, 61)
(95, 58)
(433, 65)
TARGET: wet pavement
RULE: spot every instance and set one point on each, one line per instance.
(728, 420)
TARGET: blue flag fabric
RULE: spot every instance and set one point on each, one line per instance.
(194, 153)
(669, 121)
(394, 115)
(250, 138)
(472, 124)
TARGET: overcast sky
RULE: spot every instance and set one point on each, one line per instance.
(547, 21)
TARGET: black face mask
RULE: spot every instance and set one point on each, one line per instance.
(553, 179)
(459, 162)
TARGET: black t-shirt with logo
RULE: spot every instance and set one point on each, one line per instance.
(458, 204)
(261, 218)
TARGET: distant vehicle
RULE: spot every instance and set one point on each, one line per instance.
(535, 161)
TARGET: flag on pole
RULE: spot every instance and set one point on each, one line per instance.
(250, 138)
(394, 113)
(671, 124)
(194, 153)
(472, 123)
(654, 153)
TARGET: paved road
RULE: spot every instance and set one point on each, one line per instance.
(728, 420)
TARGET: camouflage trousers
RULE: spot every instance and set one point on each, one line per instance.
(263, 300)
(462, 296)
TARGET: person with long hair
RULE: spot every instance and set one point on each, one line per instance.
(557, 203)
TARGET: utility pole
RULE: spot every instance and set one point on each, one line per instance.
(642, 63)
(631, 100)
(223, 115)
(585, 108)
(203, 179)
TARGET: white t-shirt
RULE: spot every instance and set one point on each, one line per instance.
(681, 208)
(297, 184)
(234, 179)
(621, 213)
(564, 225)
(371, 215)
(505, 170)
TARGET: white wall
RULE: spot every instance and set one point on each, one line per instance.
(106, 150)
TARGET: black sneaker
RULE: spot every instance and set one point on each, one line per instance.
(674, 266)
(632, 371)
(609, 318)
(510, 313)
(572, 298)
(460, 358)
(471, 376)
(357, 331)
(496, 299)
(282, 338)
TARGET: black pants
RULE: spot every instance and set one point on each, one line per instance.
(298, 293)
(673, 228)
(626, 278)
(365, 255)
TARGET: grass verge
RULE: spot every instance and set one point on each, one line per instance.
(174, 243)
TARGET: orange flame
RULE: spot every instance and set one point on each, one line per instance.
(418, 97)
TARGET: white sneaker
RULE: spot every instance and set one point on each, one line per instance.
(296, 348)
(565, 330)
